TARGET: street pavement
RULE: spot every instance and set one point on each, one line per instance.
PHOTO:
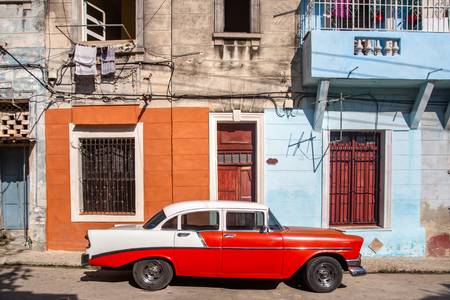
(22, 282)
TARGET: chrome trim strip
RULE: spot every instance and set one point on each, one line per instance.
(202, 240)
(215, 248)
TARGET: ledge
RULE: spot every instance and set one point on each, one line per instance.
(252, 39)
(237, 35)
(14, 1)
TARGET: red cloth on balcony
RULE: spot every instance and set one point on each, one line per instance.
(341, 9)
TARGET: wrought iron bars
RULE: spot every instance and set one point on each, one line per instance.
(108, 175)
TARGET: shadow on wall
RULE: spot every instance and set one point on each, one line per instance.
(10, 278)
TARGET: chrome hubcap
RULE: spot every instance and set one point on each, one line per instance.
(325, 275)
(152, 272)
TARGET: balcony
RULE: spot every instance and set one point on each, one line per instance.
(375, 42)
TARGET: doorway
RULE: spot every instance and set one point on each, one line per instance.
(236, 156)
(13, 187)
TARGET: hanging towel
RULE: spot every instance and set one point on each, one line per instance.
(108, 61)
(85, 59)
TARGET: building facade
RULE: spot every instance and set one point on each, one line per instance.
(330, 113)
(22, 102)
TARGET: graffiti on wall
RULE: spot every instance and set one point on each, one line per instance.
(308, 148)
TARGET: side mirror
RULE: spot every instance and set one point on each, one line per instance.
(264, 229)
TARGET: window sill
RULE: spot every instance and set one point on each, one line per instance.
(360, 228)
(15, 1)
(121, 46)
(237, 35)
(107, 218)
(253, 39)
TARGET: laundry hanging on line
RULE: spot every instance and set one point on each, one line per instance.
(108, 66)
(85, 60)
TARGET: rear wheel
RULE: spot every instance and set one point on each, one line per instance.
(323, 274)
(152, 274)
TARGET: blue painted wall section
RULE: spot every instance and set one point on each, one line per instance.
(293, 187)
(331, 55)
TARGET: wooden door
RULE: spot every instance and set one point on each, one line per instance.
(355, 178)
(236, 157)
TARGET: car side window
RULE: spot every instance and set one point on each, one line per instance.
(202, 220)
(172, 224)
(245, 220)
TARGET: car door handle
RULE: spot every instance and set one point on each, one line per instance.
(229, 236)
(183, 234)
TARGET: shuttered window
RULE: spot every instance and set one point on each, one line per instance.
(355, 178)
(108, 175)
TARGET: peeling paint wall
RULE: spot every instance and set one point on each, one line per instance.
(294, 189)
(201, 67)
(22, 34)
(435, 209)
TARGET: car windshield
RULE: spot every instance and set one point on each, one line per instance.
(274, 225)
(155, 220)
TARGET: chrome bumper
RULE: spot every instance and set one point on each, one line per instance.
(354, 267)
(357, 271)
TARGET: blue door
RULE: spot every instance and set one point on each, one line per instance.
(13, 187)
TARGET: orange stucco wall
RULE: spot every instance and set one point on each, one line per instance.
(175, 138)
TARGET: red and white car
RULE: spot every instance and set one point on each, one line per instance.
(227, 239)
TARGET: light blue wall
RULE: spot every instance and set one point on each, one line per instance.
(331, 56)
(293, 190)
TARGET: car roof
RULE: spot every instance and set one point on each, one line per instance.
(211, 204)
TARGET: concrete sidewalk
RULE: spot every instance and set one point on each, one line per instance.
(372, 265)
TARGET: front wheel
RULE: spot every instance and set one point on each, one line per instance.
(323, 274)
(152, 274)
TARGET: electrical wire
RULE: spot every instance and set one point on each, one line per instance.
(46, 86)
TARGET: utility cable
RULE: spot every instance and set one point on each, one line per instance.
(3, 50)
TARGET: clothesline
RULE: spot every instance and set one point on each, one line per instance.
(85, 58)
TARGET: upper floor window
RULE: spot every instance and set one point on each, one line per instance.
(108, 20)
(237, 16)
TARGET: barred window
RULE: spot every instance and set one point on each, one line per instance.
(107, 176)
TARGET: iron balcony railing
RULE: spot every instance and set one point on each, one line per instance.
(387, 15)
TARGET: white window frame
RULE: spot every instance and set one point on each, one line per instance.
(219, 16)
(126, 131)
(258, 119)
(78, 18)
(386, 196)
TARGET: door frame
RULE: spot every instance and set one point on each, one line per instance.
(258, 119)
(25, 149)
(385, 184)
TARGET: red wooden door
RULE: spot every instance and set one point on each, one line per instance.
(236, 153)
(354, 178)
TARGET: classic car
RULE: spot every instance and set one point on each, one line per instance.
(226, 239)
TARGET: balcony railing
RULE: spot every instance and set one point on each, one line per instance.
(369, 15)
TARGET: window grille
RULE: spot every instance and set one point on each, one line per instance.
(355, 178)
(108, 175)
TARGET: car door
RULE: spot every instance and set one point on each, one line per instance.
(198, 244)
(247, 252)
